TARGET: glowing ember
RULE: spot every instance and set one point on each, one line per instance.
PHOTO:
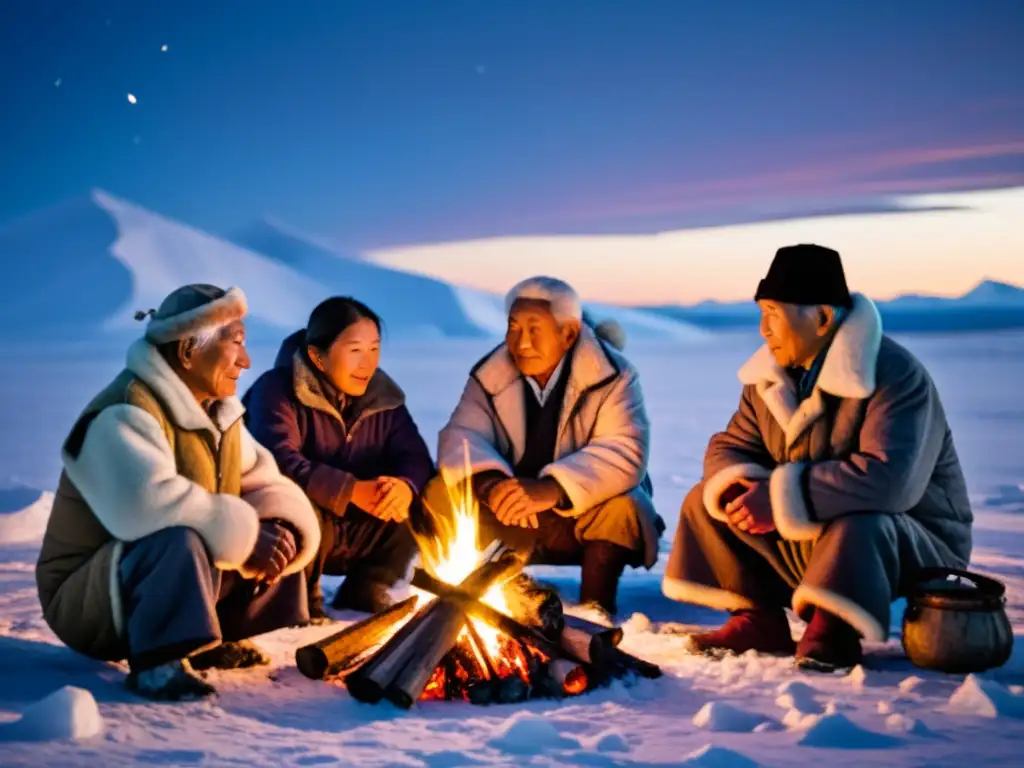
(576, 682)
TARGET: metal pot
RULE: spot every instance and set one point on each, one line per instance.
(956, 622)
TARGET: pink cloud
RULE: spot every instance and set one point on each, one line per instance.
(835, 178)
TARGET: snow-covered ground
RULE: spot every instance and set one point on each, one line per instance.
(736, 712)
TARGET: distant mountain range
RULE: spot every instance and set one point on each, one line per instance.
(990, 305)
(77, 272)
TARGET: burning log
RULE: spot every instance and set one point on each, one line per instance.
(595, 650)
(496, 619)
(535, 604)
(405, 664)
(588, 641)
(480, 647)
(610, 636)
(446, 625)
(570, 677)
(368, 682)
(336, 653)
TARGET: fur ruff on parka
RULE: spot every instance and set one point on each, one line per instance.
(142, 457)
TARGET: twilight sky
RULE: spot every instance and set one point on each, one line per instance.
(385, 124)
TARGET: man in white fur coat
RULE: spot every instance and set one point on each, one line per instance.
(834, 483)
(173, 535)
(553, 428)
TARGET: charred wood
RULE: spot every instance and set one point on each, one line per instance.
(337, 653)
(498, 620)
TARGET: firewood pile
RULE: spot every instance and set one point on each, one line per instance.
(448, 643)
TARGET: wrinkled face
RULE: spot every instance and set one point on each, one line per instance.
(795, 334)
(534, 338)
(352, 359)
(211, 367)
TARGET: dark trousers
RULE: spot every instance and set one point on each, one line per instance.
(361, 546)
(175, 603)
(855, 568)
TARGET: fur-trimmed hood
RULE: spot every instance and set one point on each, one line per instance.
(382, 393)
(593, 363)
(145, 361)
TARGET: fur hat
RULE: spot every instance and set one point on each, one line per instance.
(806, 274)
(191, 309)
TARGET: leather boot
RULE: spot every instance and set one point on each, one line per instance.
(828, 644)
(764, 630)
(603, 564)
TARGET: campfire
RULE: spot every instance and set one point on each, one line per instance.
(475, 629)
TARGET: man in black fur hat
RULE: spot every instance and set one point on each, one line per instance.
(834, 483)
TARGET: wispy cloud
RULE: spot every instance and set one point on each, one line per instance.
(857, 174)
(942, 244)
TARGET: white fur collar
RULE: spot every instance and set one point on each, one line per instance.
(591, 365)
(849, 367)
(145, 361)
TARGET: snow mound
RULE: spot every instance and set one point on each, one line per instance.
(795, 720)
(911, 684)
(637, 624)
(838, 705)
(710, 756)
(610, 741)
(590, 613)
(724, 717)
(858, 677)
(837, 731)
(978, 697)
(23, 515)
(525, 734)
(67, 713)
(908, 725)
(794, 695)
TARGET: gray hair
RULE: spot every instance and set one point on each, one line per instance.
(559, 295)
(838, 313)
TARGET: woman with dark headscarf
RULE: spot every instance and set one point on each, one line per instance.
(338, 426)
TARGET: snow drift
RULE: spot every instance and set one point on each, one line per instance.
(411, 305)
(79, 271)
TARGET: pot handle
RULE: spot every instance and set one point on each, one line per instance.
(983, 583)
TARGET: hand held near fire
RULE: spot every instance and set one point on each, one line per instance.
(275, 548)
(395, 498)
(366, 494)
(751, 510)
(517, 501)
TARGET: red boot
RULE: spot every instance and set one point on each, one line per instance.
(828, 644)
(764, 630)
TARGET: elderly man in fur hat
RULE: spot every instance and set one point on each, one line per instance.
(834, 483)
(173, 535)
(553, 428)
